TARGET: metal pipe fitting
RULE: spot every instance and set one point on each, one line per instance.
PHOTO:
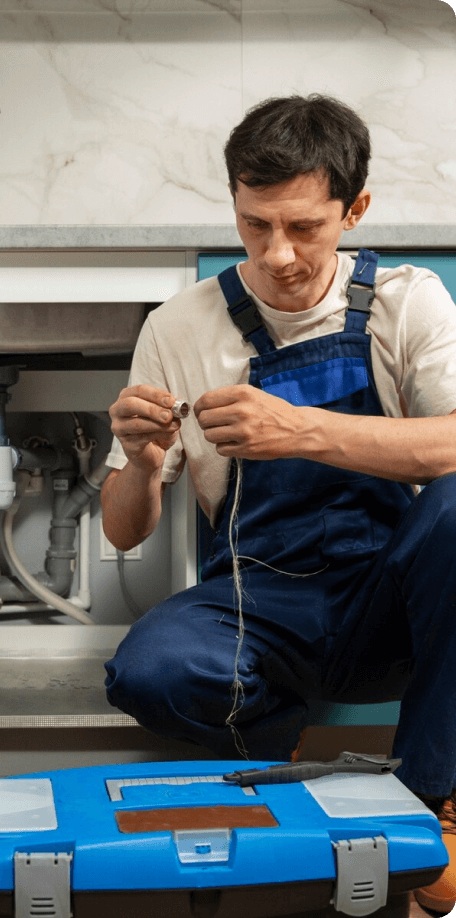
(181, 409)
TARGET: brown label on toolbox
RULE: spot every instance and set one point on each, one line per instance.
(175, 819)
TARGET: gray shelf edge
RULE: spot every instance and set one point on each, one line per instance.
(90, 721)
(197, 237)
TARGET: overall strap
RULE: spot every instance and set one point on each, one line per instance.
(361, 291)
(243, 311)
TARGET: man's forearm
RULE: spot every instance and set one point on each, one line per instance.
(414, 450)
(131, 505)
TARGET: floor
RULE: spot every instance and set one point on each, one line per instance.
(417, 912)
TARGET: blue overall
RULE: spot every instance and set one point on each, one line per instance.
(349, 579)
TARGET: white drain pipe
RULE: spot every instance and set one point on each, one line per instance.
(23, 575)
(7, 483)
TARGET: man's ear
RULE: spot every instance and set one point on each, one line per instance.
(358, 209)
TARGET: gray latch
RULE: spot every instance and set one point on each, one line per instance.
(362, 875)
(196, 846)
(42, 885)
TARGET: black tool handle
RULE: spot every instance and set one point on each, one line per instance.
(281, 774)
(347, 763)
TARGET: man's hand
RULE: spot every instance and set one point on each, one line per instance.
(143, 422)
(247, 423)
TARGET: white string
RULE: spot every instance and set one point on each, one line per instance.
(277, 569)
(237, 688)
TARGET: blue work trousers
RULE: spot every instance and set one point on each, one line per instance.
(390, 633)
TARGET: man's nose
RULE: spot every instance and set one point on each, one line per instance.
(280, 252)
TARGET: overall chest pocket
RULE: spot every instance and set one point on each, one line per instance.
(340, 384)
(320, 383)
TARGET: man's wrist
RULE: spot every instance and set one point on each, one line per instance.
(312, 433)
(145, 472)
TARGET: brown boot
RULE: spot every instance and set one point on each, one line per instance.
(295, 755)
(441, 895)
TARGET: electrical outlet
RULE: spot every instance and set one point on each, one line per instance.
(109, 553)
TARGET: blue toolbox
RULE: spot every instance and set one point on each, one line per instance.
(209, 840)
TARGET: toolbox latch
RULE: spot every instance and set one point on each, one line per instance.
(42, 885)
(362, 875)
(196, 846)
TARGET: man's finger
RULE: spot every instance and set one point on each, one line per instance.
(219, 398)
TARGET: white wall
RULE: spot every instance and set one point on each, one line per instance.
(116, 111)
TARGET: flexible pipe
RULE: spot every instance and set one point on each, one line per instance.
(130, 602)
(27, 579)
(83, 597)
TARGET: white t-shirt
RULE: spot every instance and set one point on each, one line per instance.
(190, 345)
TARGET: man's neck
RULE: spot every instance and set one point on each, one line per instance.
(298, 296)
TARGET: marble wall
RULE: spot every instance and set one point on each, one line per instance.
(116, 111)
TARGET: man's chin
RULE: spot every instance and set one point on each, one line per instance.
(286, 279)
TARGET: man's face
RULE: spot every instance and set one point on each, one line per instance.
(291, 232)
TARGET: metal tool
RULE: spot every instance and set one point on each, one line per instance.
(348, 762)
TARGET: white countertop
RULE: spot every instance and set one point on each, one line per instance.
(205, 237)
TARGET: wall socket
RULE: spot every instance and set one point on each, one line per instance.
(109, 553)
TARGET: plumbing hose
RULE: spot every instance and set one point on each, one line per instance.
(27, 579)
(129, 601)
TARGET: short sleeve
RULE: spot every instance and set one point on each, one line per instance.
(429, 383)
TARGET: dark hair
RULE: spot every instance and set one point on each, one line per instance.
(287, 136)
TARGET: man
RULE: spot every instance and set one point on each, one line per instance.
(311, 422)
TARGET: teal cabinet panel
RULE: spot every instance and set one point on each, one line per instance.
(326, 713)
(442, 263)
(213, 263)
